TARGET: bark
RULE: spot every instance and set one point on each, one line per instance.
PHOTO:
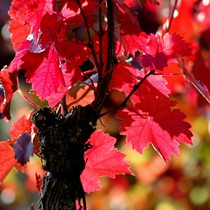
(63, 142)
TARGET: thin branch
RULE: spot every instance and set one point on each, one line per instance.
(111, 36)
(101, 33)
(135, 87)
(92, 86)
(171, 16)
(103, 82)
(90, 42)
(58, 6)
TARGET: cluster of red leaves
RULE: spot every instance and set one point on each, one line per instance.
(47, 38)
(7, 153)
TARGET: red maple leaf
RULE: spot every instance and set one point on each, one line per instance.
(132, 43)
(125, 76)
(27, 48)
(156, 51)
(35, 12)
(26, 18)
(160, 50)
(127, 20)
(50, 77)
(50, 26)
(7, 160)
(19, 32)
(158, 62)
(78, 53)
(99, 163)
(18, 27)
(174, 44)
(44, 72)
(73, 15)
(23, 124)
(151, 120)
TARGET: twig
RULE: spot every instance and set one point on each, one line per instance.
(135, 87)
(171, 16)
(90, 42)
(100, 34)
(103, 82)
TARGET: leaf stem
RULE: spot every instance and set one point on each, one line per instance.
(27, 99)
(135, 87)
(64, 106)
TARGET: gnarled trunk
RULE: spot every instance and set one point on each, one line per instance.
(63, 142)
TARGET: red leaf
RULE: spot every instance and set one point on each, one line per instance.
(158, 62)
(157, 51)
(132, 43)
(127, 19)
(78, 53)
(174, 45)
(26, 50)
(71, 73)
(153, 55)
(49, 27)
(125, 76)
(99, 163)
(23, 124)
(35, 11)
(19, 32)
(152, 121)
(55, 98)
(73, 16)
(201, 88)
(18, 26)
(9, 82)
(7, 160)
(46, 77)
